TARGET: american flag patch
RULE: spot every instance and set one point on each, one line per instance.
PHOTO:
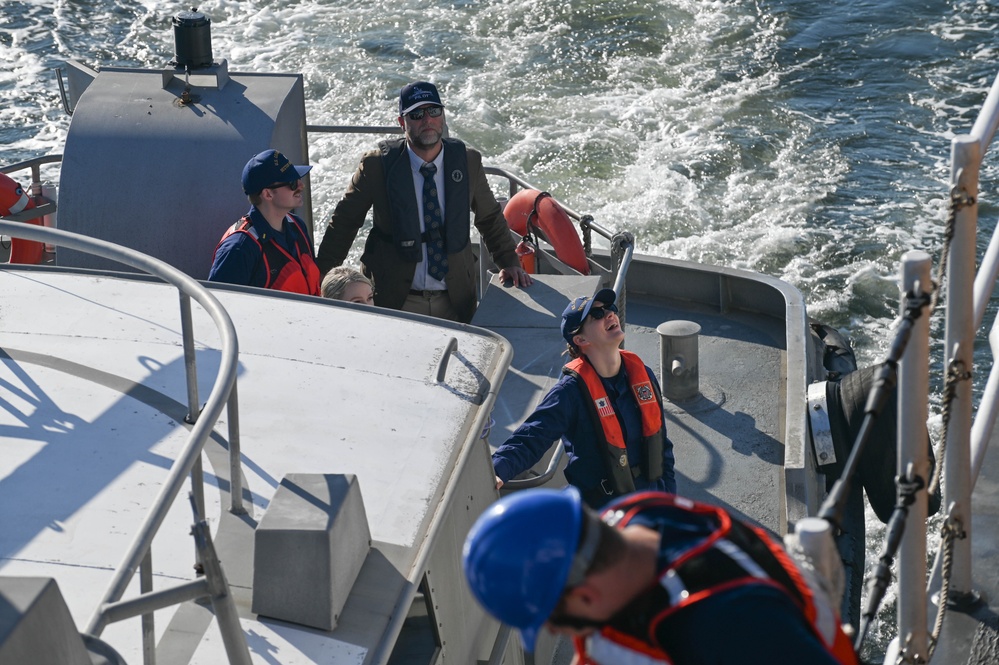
(604, 408)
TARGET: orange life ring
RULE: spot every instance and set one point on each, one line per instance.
(530, 209)
(13, 199)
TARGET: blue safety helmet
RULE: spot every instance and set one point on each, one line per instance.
(521, 554)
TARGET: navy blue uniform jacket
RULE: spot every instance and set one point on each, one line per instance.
(562, 414)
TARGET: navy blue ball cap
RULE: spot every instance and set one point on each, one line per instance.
(579, 309)
(418, 94)
(270, 168)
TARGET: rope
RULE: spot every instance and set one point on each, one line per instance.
(530, 229)
(959, 199)
(950, 531)
(955, 374)
(885, 380)
(584, 226)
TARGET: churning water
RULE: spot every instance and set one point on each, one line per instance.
(806, 139)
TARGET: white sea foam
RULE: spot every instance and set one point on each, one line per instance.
(704, 127)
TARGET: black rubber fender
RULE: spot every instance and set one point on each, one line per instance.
(846, 401)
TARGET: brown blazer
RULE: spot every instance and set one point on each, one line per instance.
(386, 259)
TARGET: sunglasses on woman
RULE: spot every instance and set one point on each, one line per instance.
(600, 312)
(597, 313)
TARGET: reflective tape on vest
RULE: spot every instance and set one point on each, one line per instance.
(606, 652)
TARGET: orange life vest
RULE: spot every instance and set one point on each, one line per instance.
(735, 555)
(296, 273)
(609, 427)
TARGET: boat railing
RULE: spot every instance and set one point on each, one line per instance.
(34, 165)
(965, 439)
(188, 462)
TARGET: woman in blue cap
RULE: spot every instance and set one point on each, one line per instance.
(607, 410)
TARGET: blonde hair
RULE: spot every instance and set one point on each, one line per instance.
(337, 279)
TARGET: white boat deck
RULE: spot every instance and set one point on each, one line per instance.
(92, 401)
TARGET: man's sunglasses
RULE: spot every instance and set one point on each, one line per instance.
(293, 185)
(433, 112)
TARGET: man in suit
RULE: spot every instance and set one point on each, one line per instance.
(418, 250)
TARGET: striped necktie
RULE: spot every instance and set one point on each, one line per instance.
(434, 224)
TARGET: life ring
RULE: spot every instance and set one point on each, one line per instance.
(13, 199)
(530, 210)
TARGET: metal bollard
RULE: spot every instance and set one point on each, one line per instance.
(678, 364)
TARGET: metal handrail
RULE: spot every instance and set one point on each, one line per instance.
(34, 164)
(352, 129)
(549, 473)
(188, 288)
(983, 132)
(586, 223)
(517, 183)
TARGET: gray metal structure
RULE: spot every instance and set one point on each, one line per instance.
(169, 168)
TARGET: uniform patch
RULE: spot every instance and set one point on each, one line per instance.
(643, 392)
(604, 409)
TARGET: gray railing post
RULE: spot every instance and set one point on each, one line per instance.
(622, 250)
(191, 373)
(148, 618)
(235, 467)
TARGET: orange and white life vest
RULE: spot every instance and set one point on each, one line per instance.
(609, 427)
(295, 273)
(732, 556)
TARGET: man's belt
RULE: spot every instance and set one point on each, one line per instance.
(426, 293)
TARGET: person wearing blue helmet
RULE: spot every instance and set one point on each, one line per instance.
(607, 409)
(654, 579)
